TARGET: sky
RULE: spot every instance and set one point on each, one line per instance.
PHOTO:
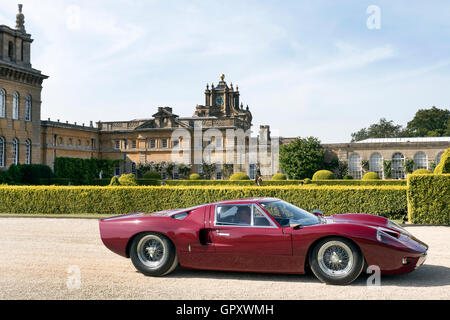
(323, 68)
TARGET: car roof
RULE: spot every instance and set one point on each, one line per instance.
(246, 200)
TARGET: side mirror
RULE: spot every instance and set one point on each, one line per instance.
(295, 226)
(317, 213)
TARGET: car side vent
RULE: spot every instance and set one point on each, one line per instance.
(180, 216)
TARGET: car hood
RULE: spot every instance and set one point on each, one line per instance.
(358, 218)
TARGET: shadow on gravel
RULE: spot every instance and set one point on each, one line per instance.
(425, 276)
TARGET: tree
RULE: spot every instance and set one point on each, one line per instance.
(302, 157)
(382, 129)
(433, 122)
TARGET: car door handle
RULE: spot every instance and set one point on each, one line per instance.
(222, 234)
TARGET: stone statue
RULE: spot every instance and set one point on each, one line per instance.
(20, 20)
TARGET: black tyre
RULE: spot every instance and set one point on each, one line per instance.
(153, 254)
(336, 261)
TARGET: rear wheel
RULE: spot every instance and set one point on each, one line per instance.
(336, 261)
(153, 254)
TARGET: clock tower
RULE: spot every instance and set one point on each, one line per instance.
(222, 101)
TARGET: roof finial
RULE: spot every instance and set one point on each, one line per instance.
(20, 20)
(222, 77)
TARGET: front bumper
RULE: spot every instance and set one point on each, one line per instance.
(421, 260)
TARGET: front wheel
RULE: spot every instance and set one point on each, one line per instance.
(336, 261)
(153, 254)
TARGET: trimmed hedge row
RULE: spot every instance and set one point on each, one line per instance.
(429, 198)
(385, 201)
(243, 183)
(360, 182)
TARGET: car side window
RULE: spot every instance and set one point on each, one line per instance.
(234, 215)
(241, 215)
(259, 219)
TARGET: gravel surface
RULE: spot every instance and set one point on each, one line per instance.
(39, 258)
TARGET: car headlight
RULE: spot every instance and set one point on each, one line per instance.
(393, 225)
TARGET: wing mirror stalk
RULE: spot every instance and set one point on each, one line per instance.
(295, 226)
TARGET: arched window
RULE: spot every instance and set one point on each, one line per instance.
(420, 161)
(438, 157)
(15, 110)
(376, 163)
(397, 165)
(28, 152)
(15, 151)
(2, 103)
(354, 166)
(28, 108)
(2, 152)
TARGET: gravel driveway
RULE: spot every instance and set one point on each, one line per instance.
(39, 259)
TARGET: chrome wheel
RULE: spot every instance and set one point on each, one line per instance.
(335, 259)
(151, 251)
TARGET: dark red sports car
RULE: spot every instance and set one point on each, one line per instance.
(262, 235)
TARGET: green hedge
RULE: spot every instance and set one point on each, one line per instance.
(248, 183)
(84, 171)
(429, 199)
(360, 182)
(385, 201)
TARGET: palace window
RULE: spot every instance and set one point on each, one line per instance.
(175, 143)
(117, 144)
(376, 164)
(133, 144)
(15, 151)
(133, 167)
(354, 166)
(219, 172)
(28, 108)
(152, 143)
(164, 143)
(397, 165)
(176, 174)
(219, 142)
(2, 103)
(420, 161)
(252, 171)
(438, 157)
(28, 152)
(2, 152)
(117, 170)
(92, 144)
(11, 50)
(15, 110)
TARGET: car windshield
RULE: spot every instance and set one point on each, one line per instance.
(285, 213)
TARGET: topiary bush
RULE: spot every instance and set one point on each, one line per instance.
(128, 180)
(371, 176)
(154, 175)
(114, 181)
(194, 176)
(422, 171)
(348, 177)
(444, 164)
(323, 175)
(307, 181)
(279, 176)
(239, 176)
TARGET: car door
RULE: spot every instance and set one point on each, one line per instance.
(246, 239)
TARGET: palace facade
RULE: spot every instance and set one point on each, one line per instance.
(25, 138)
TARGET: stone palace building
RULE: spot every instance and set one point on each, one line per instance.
(26, 139)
